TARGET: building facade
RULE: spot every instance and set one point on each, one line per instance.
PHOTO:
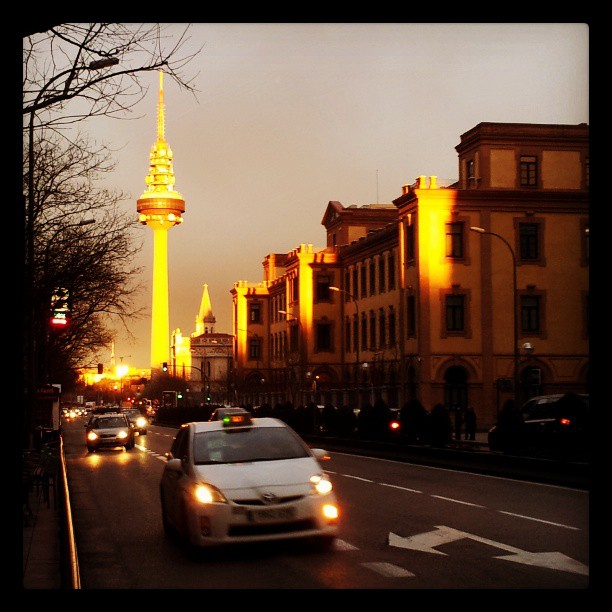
(204, 359)
(463, 294)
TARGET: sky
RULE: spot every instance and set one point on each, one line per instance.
(288, 117)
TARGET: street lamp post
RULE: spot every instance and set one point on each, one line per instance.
(337, 289)
(355, 335)
(480, 230)
(291, 360)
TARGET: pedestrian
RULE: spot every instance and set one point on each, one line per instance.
(470, 423)
(458, 412)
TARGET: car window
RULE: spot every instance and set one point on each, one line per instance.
(109, 423)
(253, 444)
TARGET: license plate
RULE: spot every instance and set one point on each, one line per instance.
(271, 514)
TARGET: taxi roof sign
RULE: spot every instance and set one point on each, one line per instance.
(236, 419)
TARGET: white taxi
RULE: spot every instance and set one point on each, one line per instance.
(244, 479)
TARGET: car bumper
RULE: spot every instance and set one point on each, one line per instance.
(219, 524)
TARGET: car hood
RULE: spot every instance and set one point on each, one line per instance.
(283, 477)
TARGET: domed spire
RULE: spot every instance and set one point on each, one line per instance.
(205, 314)
(160, 202)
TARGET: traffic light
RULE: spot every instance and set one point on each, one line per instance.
(100, 368)
(165, 366)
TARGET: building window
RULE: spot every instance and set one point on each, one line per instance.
(255, 312)
(364, 331)
(323, 284)
(347, 335)
(293, 338)
(382, 328)
(295, 289)
(255, 348)
(455, 315)
(409, 242)
(363, 280)
(372, 343)
(411, 316)
(530, 314)
(528, 241)
(391, 326)
(323, 337)
(391, 270)
(355, 291)
(372, 277)
(470, 170)
(347, 283)
(454, 240)
(528, 170)
(355, 333)
(381, 275)
(584, 243)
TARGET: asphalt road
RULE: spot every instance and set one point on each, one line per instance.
(405, 525)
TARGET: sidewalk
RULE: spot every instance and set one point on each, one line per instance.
(41, 544)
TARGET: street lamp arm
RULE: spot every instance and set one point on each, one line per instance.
(480, 230)
(337, 289)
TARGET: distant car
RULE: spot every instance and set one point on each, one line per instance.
(555, 425)
(235, 481)
(225, 411)
(108, 430)
(138, 421)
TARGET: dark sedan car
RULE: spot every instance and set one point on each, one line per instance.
(547, 425)
(137, 420)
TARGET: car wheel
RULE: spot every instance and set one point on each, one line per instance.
(90, 449)
(143, 433)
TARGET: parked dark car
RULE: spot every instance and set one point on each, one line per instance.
(554, 426)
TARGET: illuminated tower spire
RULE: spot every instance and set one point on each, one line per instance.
(205, 319)
(160, 207)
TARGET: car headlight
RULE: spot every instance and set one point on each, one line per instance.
(122, 434)
(92, 435)
(207, 494)
(141, 422)
(321, 483)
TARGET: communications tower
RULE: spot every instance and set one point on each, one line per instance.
(160, 207)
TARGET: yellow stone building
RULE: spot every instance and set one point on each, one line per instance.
(463, 294)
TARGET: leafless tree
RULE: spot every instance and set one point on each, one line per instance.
(96, 67)
(84, 244)
(73, 72)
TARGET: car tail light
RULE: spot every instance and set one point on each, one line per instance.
(394, 425)
(564, 422)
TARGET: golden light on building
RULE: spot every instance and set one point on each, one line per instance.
(160, 207)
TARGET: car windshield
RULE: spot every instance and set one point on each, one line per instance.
(252, 444)
(108, 423)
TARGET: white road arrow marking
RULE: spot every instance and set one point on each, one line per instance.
(426, 542)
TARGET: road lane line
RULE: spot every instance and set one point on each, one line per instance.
(531, 518)
(384, 484)
(458, 501)
(388, 569)
(357, 478)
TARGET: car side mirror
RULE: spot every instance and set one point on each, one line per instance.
(174, 464)
(320, 454)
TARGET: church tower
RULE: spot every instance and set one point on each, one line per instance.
(160, 207)
(205, 321)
